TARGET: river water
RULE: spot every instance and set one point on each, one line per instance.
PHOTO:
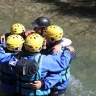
(83, 69)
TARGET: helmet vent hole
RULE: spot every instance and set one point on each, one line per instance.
(17, 36)
(34, 37)
(52, 39)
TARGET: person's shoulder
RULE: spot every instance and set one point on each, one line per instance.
(67, 39)
(66, 42)
(50, 58)
(28, 32)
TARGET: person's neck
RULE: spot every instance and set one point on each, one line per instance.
(31, 53)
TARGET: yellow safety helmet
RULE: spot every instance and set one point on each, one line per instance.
(54, 32)
(33, 42)
(14, 41)
(17, 28)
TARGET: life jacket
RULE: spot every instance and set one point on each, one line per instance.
(65, 74)
(7, 76)
(23, 87)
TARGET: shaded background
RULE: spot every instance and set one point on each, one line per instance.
(77, 18)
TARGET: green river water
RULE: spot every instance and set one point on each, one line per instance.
(83, 69)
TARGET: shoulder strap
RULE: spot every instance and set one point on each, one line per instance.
(38, 63)
(18, 56)
(35, 78)
(39, 59)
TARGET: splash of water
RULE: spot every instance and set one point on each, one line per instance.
(77, 88)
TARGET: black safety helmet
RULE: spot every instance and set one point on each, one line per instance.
(41, 22)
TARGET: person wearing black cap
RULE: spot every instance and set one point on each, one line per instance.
(41, 22)
(39, 25)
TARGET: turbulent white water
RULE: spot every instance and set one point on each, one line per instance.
(77, 88)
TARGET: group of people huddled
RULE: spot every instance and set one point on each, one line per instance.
(35, 62)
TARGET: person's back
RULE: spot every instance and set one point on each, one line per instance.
(7, 76)
(54, 34)
(23, 86)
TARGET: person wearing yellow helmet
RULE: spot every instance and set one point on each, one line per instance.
(31, 43)
(8, 78)
(54, 32)
(48, 69)
(16, 28)
(14, 42)
(54, 37)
